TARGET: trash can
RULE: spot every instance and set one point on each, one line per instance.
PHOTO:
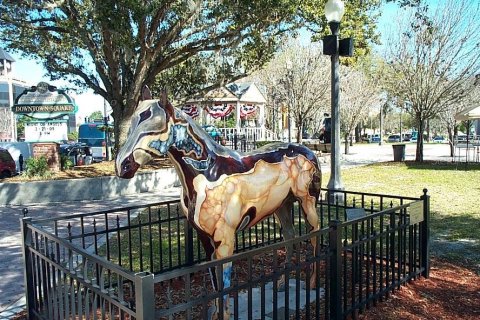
(398, 152)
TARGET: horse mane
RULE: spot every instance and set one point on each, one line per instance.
(200, 132)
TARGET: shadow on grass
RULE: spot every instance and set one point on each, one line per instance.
(431, 165)
(442, 165)
(456, 238)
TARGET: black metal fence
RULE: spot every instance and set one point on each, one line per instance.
(147, 262)
(239, 142)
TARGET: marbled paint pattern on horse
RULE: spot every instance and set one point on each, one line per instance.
(223, 191)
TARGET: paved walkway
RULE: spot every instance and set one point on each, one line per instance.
(11, 272)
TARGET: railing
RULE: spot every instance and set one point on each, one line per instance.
(147, 262)
(249, 133)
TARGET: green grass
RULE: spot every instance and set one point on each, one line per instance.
(455, 194)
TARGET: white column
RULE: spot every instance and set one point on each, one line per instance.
(237, 116)
(261, 120)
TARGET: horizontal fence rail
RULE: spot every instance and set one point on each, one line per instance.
(132, 263)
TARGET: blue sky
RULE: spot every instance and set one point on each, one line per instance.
(32, 72)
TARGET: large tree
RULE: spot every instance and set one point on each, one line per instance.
(299, 79)
(433, 57)
(454, 106)
(358, 96)
(115, 47)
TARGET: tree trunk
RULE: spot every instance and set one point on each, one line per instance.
(358, 132)
(421, 128)
(428, 130)
(450, 140)
(122, 117)
(299, 131)
(346, 143)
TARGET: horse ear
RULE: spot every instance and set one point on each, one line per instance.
(164, 97)
(146, 94)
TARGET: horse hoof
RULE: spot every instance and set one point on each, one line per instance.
(281, 286)
(212, 313)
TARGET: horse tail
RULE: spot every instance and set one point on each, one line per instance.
(316, 184)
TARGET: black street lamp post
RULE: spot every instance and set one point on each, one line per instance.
(334, 47)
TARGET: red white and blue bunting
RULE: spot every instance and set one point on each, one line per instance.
(247, 110)
(191, 110)
(220, 110)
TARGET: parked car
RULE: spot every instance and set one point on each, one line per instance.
(7, 164)
(393, 138)
(372, 138)
(439, 139)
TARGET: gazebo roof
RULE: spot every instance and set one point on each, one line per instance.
(5, 56)
(470, 113)
(233, 92)
(250, 93)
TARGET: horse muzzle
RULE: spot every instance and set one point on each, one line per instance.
(127, 168)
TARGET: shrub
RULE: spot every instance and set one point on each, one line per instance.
(66, 162)
(37, 167)
(263, 143)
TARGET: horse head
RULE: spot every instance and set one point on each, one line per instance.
(148, 137)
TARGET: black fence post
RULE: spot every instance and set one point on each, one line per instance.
(27, 266)
(188, 243)
(335, 243)
(425, 241)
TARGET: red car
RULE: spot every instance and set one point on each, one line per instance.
(7, 164)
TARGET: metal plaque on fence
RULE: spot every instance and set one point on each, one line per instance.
(415, 211)
(355, 213)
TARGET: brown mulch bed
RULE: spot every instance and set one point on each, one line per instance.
(101, 169)
(451, 293)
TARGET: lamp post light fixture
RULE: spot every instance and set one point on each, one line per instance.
(334, 47)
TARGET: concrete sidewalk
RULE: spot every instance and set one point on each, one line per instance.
(12, 298)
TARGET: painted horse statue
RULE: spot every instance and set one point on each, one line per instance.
(223, 191)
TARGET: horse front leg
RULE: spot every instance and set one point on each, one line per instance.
(284, 215)
(225, 241)
(310, 213)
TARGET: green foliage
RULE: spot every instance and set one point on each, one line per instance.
(21, 121)
(66, 162)
(37, 167)
(229, 123)
(96, 115)
(73, 136)
(115, 47)
(126, 44)
(359, 22)
(264, 143)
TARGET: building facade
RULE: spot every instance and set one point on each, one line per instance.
(10, 89)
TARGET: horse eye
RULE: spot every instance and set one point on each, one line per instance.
(144, 116)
